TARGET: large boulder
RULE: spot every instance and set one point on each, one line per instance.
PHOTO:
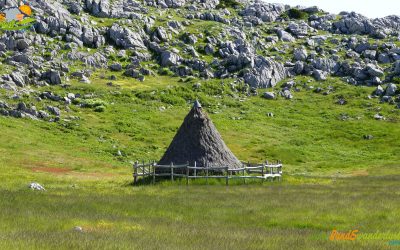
(320, 75)
(374, 70)
(167, 3)
(125, 38)
(18, 79)
(52, 77)
(300, 54)
(266, 12)
(269, 95)
(169, 59)
(391, 89)
(100, 8)
(285, 36)
(265, 73)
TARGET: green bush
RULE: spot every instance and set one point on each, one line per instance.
(297, 14)
(92, 103)
(100, 108)
(227, 4)
(165, 72)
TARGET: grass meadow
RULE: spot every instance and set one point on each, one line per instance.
(333, 177)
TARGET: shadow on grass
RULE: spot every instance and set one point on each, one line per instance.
(166, 181)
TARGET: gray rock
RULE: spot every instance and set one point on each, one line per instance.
(371, 54)
(383, 58)
(320, 75)
(78, 229)
(169, 59)
(22, 44)
(208, 49)
(391, 89)
(36, 186)
(43, 114)
(16, 113)
(269, 95)
(300, 54)
(54, 110)
(298, 67)
(162, 34)
(265, 73)
(20, 58)
(116, 67)
(125, 38)
(299, 29)
(374, 70)
(285, 36)
(368, 137)
(52, 76)
(75, 8)
(265, 12)
(379, 117)
(132, 73)
(379, 91)
(100, 8)
(85, 79)
(287, 94)
(18, 79)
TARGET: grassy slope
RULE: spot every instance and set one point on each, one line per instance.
(306, 133)
(89, 186)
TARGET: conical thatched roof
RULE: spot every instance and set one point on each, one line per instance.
(197, 140)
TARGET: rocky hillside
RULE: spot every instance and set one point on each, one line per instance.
(255, 44)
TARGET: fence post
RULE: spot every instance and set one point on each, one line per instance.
(272, 172)
(207, 173)
(244, 178)
(227, 176)
(135, 166)
(143, 169)
(187, 173)
(172, 171)
(262, 173)
(195, 170)
(154, 172)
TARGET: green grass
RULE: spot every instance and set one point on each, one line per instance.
(333, 178)
(115, 215)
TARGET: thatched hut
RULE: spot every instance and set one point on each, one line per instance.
(197, 140)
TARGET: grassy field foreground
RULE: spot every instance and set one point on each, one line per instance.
(333, 177)
(296, 214)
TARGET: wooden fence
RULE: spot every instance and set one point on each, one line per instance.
(262, 171)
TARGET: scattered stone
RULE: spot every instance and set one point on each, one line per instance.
(54, 110)
(368, 137)
(300, 54)
(36, 186)
(78, 229)
(379, 117)
(391, 89)
(374, 70)
(320, 75)
(169, 59)
(116, 67)
(269, 95)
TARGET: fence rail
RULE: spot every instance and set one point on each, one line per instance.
(262, 171)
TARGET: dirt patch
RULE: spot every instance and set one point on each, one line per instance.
(51, 170)
(65, 171)
(92, 174)
(360, 173)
